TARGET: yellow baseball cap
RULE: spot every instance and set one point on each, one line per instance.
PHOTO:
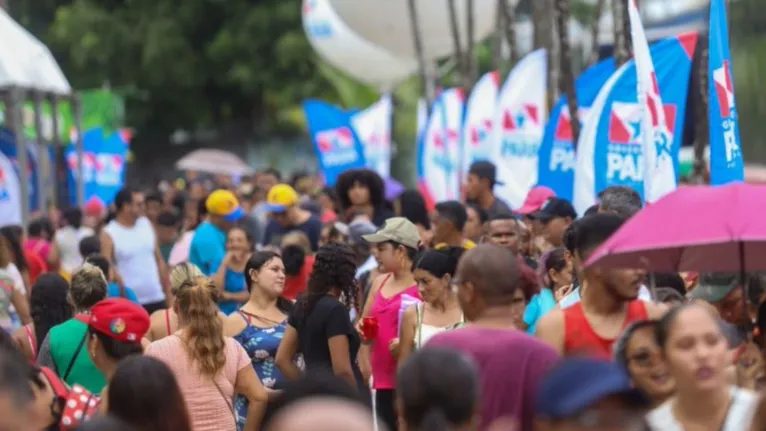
(281, 197)
(223, 203)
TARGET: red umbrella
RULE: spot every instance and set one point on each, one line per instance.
(695, 228)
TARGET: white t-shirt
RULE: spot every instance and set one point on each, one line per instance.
(134, 254)
(67, 240)
(739, 417)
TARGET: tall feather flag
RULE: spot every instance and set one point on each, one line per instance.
(726, 163)
(656, 136)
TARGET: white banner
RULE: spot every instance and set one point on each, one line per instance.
(656, 136)
(440, 149)
(10, 193)
(519, 125)
(478, 131)
(373, 127)
(584, 194)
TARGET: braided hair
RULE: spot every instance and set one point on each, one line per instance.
(48, 304)
(334, 268)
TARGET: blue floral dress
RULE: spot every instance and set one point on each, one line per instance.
(261, 345)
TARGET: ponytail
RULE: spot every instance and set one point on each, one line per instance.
(198, 311)
(434, 419)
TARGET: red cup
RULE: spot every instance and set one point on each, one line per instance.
(369, 328)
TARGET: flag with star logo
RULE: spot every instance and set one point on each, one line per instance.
(610, 151)
(655, 135)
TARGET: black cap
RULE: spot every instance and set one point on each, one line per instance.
(485, 169)
(554, 207)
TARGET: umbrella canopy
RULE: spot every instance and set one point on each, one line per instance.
(214, 162)
(695, 228)
(25, 62)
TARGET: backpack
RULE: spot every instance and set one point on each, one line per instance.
(77, 404)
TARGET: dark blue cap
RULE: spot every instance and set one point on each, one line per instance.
(578, 383)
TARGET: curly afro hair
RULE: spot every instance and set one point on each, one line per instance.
(365, 177)
(334, 268)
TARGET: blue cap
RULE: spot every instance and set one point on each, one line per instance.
(578, 383)
(235, 216)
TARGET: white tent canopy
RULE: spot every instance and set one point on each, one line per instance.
(26, 63)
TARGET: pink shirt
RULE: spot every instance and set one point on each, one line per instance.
(386, 311)
(209, 410)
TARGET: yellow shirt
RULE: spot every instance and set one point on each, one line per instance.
(467, 244)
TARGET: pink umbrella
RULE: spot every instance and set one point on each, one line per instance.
(695, 228)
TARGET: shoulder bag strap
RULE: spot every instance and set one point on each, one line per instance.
(226, 400)
(74, 357)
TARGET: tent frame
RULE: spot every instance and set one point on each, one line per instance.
(15, 98)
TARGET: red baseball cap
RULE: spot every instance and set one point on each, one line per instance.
(535, 199)
(119, 319)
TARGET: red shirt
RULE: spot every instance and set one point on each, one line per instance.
(580, 338)
(35, 264)
(295, 285)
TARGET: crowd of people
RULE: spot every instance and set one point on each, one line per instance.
(287, 305)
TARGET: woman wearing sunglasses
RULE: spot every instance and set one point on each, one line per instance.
(637, 351)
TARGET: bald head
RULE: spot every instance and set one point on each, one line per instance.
(324, 414)
(492, 270)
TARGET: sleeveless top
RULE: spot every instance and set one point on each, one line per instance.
(739, 416)
(388, 313)
(261, 345)
(134, 249)
(579, 336)
(424, 332)
(233, 282)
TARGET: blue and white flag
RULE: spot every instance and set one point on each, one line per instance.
(726, 163)
(557, 153)
(610, 150)
(373, 127)
(439, 149)
(337, 147)
(103, 165)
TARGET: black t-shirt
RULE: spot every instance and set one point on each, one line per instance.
(275, 231)
(328, 318)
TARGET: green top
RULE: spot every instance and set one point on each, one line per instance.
(64, 339)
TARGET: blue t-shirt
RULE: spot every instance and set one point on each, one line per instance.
(275, 231)
(208, 248)
(114, 292)
(540, 304)
(233, 282)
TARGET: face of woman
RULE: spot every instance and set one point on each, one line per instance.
(645, 365)
(696, 351)
(271, 277)
(563, 277)
(431, 288)
(389, 258)
(237, 241)
(359, 194)
(518, 306)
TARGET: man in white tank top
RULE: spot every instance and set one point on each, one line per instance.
(130, 243)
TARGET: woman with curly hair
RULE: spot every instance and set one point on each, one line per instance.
(319, 326)
(209, 367)
(363, 191)
(49, 306)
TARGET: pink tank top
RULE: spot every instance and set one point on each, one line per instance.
(386, 311)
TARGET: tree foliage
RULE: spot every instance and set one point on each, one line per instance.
(195, 64)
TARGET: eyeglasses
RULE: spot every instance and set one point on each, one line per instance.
(644, 359)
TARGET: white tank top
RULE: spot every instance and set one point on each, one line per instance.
(424, 332)
(134, 254)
